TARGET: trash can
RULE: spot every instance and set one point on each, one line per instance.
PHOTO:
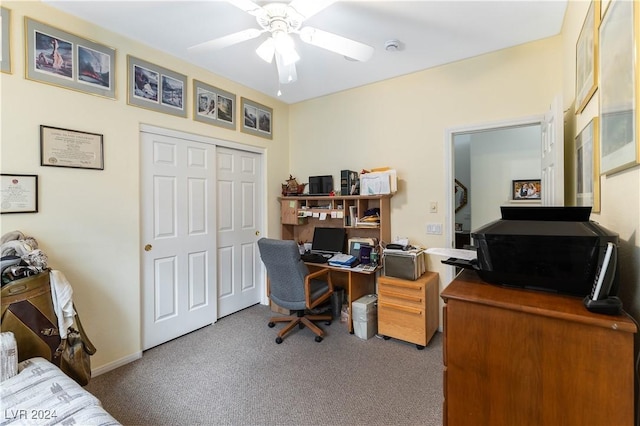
(365, 316)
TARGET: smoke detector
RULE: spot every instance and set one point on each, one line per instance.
(392, 45)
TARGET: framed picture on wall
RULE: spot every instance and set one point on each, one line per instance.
(618, 87)
(157, 88)
(5, 53)
(587, 57)
(588, 167)
(62, 59)
(527, 189)
(214, 106)
(19, 194)
(71, 148)
(257, 119)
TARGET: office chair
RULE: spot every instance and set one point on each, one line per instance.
(291, 286)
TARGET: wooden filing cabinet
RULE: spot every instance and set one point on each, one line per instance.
(408, 310)
(521, 357)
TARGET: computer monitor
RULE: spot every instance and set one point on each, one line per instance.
(328, 240)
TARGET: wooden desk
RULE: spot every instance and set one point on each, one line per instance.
(521, 357)
(356, 283)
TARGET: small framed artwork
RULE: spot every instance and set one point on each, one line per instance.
(587, 57)
(587, 167)
(213, 106)
(156, 88)
(66, 60)
(529, 189)
(5, 31)
(71, 148)
(257, 119)
(619, 87)
(19, 194)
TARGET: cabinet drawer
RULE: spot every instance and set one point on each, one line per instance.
(402, 322)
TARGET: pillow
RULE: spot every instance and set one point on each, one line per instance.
(8, 356)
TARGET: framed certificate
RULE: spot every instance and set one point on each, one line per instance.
(19, 194)
(70, 148)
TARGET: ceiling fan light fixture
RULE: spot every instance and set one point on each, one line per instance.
(285, 46)
(266, 50)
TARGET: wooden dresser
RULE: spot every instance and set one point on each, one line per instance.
(521, 357)
(408, 310)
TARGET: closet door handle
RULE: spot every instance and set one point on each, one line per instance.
(148, 247)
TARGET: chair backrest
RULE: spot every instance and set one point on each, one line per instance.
(285, 269)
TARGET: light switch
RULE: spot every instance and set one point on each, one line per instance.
(434, 228)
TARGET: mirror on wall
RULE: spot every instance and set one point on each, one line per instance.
(461, 195)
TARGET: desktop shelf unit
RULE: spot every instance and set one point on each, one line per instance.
(299, 215)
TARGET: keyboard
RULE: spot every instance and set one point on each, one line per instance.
(314, 258)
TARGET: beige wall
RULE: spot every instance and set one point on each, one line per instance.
(89, 221)
(401, 123)
(620, 197)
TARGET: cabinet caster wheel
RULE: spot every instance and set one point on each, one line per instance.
(271, 324)
(419, 347)
(386, 337)
(318, 339)
(278, 340)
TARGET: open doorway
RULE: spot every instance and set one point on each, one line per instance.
(484, 160)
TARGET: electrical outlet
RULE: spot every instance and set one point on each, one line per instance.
(434, 228)
(433, 207)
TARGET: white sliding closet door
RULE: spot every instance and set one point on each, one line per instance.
(179, 237)
(239, 195)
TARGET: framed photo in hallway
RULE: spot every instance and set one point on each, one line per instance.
(62, 59)
(529, 189)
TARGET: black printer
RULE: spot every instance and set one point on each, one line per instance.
(555, 249)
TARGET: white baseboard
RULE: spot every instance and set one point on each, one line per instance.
(115, 364)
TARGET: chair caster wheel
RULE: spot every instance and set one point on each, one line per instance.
(327, 323)
(419, 347)
(278, 340)
(386, 337)
(271, 324)
(318, 339)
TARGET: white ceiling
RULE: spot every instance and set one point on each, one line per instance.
(430, 32)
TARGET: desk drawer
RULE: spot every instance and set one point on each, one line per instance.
(401, 309)
(402, 322)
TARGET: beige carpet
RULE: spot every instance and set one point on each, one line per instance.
(233, 373)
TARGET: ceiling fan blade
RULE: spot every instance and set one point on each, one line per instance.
(335, 43)
(228, 40)
(308, 8)
(248, 6)
(286, 73)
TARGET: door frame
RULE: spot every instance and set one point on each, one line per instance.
(148, 128)
(449, 161)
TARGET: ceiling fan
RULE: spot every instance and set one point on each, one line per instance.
(281, 20)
